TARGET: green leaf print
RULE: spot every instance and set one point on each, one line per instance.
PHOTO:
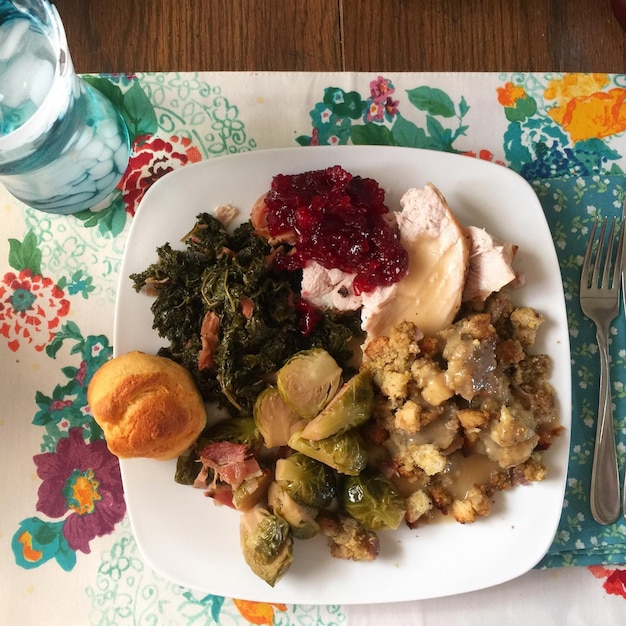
(442, 137)
(107, 88)
(370, 134)
(408, 134)
(463, 107)
(110, 220)
(344, 103)
(25, 254)
(134, 106)
(68, 331)
(138, 113)
(523, 109)
(433, 101)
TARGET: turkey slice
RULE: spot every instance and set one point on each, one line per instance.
(491, 265)
(438, 246)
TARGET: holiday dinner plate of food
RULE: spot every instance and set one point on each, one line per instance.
(341, 375)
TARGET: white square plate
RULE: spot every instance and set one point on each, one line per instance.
(188, 539)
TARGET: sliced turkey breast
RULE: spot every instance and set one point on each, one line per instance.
(438, 246)
(329, 289)
(490, 266)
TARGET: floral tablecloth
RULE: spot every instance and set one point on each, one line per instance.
(67, 553)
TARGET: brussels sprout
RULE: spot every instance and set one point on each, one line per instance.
(307, 481)
(187, 468)
(308, 381)
(233, 429)
(274, 419)
(351, 407)
(251, 490)
(345, 453)
(301, 519)
(373, 501)
(266, 544)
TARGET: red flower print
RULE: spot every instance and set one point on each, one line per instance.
(150, 160)
(82, 483)
(30, 309)
(391, 107)
(615, 583)
(375, 112)
(381, 89)
(485, 155)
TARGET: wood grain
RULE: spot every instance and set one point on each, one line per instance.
(483, 35)
(166, 35)
(344, 35)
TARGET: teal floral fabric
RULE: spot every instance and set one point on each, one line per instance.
(571, 204)
(564, 133)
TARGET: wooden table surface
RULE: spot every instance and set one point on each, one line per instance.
(344, 35)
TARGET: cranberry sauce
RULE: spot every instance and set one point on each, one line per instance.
(339, 221)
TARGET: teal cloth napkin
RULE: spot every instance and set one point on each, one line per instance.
(571, 205)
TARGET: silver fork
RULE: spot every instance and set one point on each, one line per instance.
(599, 300)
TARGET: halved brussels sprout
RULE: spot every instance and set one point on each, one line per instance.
(351, 407)
(345, 453)
(373, 501)
(266, 544)
(308, 381)
(235, 430)
(251, 491)
(187, 467)
(301, 519)
(274, 418)
(307, 481)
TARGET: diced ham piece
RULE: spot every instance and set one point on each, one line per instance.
(247, 307)
(490, 265)
(222, 495)
(231, 462)
(209, 337)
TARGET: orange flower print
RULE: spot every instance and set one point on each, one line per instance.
(485, 155)
(30, 309)
(583, 110)
(510, 94)
(575, 86)
(258, 612)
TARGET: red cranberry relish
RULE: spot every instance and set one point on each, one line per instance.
(338, 220)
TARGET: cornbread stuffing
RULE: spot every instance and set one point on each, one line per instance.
(347, 539)
(463, 413)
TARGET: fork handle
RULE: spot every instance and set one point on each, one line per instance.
(605, 488)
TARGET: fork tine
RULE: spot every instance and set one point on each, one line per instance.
(598, 258)
(617, 275)
(584, 277)
(608, 257)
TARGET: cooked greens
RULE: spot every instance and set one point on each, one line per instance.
(235, 322)
(228, 275)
